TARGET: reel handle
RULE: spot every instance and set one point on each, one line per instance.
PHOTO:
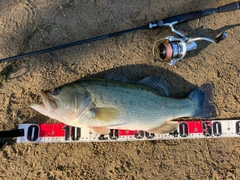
(221, 37)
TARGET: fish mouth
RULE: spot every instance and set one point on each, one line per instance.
(48, 104)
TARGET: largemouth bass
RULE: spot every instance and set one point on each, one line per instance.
(104, 104)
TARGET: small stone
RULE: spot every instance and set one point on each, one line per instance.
(20, 117)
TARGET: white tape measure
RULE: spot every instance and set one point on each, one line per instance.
(38, 133)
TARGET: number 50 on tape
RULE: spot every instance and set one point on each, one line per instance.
(38, 133)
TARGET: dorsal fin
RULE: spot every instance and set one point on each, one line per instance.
(158, 83)
(116, 77)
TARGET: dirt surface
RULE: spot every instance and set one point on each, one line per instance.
(28, 25)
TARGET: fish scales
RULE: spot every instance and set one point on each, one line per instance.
(115, 104)
(138, 105)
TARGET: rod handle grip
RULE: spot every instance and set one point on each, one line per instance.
(229, 7)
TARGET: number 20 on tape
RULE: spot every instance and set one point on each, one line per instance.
(37, 133)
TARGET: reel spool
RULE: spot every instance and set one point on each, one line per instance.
(174, 49)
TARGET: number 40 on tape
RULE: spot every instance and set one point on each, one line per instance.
(38, 133)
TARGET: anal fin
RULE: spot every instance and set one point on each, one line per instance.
(101, 130)
(166, 127)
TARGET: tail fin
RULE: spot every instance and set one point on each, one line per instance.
(202, 97)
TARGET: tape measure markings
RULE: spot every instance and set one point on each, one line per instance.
(37, 133)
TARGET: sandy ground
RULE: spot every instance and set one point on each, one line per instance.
(28, 25)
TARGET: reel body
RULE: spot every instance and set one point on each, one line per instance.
(174, 49)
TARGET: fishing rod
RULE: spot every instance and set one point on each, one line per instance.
(170, 48)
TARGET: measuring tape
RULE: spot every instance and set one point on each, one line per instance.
(62, 133)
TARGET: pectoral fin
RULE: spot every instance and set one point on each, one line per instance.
(105, 114)
(101, 130)
(166, 127)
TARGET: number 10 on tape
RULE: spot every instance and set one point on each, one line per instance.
(38, 133)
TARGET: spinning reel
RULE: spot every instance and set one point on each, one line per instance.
(174, 49)
(171, 48)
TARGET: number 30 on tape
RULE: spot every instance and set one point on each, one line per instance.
(37, 133)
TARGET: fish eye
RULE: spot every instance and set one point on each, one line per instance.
(56, 91)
